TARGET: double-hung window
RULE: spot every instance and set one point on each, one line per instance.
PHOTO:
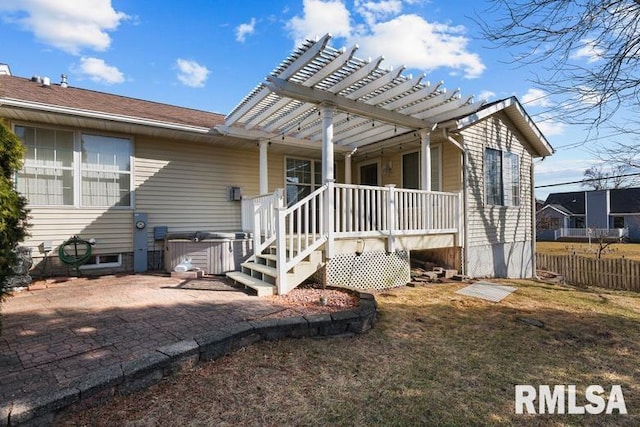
(66, 168)
(502, 177)
(303, 177)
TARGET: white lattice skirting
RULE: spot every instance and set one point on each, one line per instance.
(370, 270)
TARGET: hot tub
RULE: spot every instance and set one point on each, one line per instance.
(212, 252)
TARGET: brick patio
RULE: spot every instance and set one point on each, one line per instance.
(54, 335)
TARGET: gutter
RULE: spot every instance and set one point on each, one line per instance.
(47, 108)
(465, 214)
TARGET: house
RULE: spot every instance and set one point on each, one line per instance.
(579, 215)
(331, 162)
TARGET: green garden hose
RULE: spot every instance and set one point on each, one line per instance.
(77, 257)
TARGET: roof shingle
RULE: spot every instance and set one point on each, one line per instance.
(19, 88)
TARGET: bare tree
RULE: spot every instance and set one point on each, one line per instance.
(590, 50)
(596, 178)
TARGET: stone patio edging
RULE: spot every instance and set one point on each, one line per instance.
(150, 368)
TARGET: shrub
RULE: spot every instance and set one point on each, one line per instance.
(13, 211)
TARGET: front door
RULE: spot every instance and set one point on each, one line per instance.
(369, 174)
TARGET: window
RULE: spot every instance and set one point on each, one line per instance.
(103, 261)
(411, 169)
(302, 178)
(72, 169)
(617, 222)
(106, 171)
(47, 175)
(502, 177)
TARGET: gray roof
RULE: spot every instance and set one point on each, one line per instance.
(622, 200)
(572, 202)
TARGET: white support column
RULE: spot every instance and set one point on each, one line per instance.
(425, 165)
(327, 142)
(347, 168)
(264, 168)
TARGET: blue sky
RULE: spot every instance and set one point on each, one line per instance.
(208, 54)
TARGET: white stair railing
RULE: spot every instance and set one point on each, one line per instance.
(259, 215)
(300, 230)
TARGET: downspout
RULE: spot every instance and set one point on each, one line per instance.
(533, 224)
(465, 215)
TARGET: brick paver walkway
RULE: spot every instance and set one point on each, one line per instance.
(54, 336)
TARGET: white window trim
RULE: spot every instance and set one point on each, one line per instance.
(77, 164)
(98, 264)
(313, 185)
(502, 152)
(438, 148)
(377, 162)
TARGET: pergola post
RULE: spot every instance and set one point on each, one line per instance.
(347, 168)
(425, 165)
(263, 169)
(327, 110)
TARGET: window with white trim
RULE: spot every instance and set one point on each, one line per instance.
(302, 178)
(502, 178)
(103, 261)
(411, 169)
(66, 168)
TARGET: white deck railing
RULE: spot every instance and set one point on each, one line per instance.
(359, 211)
(259, 215)
(364, 210)
(594, 233)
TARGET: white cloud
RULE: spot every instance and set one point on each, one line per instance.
(417, 43)
(373, 12)
(404, 39)
(536, 98)
(548, 126)
(589, 51)
(486, 95)
(320, 17)
(245, 29)
(98, 71)
(67, 25)
(190, 73)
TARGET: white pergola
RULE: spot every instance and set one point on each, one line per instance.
(322, 95)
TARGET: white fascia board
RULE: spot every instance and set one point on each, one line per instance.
(56, 109)
(531, 131)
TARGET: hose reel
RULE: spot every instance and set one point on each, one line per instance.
(75, 252)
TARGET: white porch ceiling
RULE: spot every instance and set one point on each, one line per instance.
(372, 104)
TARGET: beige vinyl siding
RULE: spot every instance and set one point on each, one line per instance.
(451, 168)
(185, 186)
(111, 228)
(496, 224)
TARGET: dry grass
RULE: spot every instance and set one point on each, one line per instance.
(616, 250)
(434, 358)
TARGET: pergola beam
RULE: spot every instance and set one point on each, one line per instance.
(306, 94)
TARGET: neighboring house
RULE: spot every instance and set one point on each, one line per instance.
(374, 164)
(582, 214)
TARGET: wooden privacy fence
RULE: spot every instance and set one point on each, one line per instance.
(611, 273)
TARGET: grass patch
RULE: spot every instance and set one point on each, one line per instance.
(616, 250)
(434, 358)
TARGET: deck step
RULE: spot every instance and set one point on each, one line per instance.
(261, 268)
(262, 288)
(270, 257)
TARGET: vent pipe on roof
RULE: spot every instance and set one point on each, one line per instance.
(5, 70)
(63, 80)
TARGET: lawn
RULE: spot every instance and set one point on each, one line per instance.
(434, 358)
(616, 250)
